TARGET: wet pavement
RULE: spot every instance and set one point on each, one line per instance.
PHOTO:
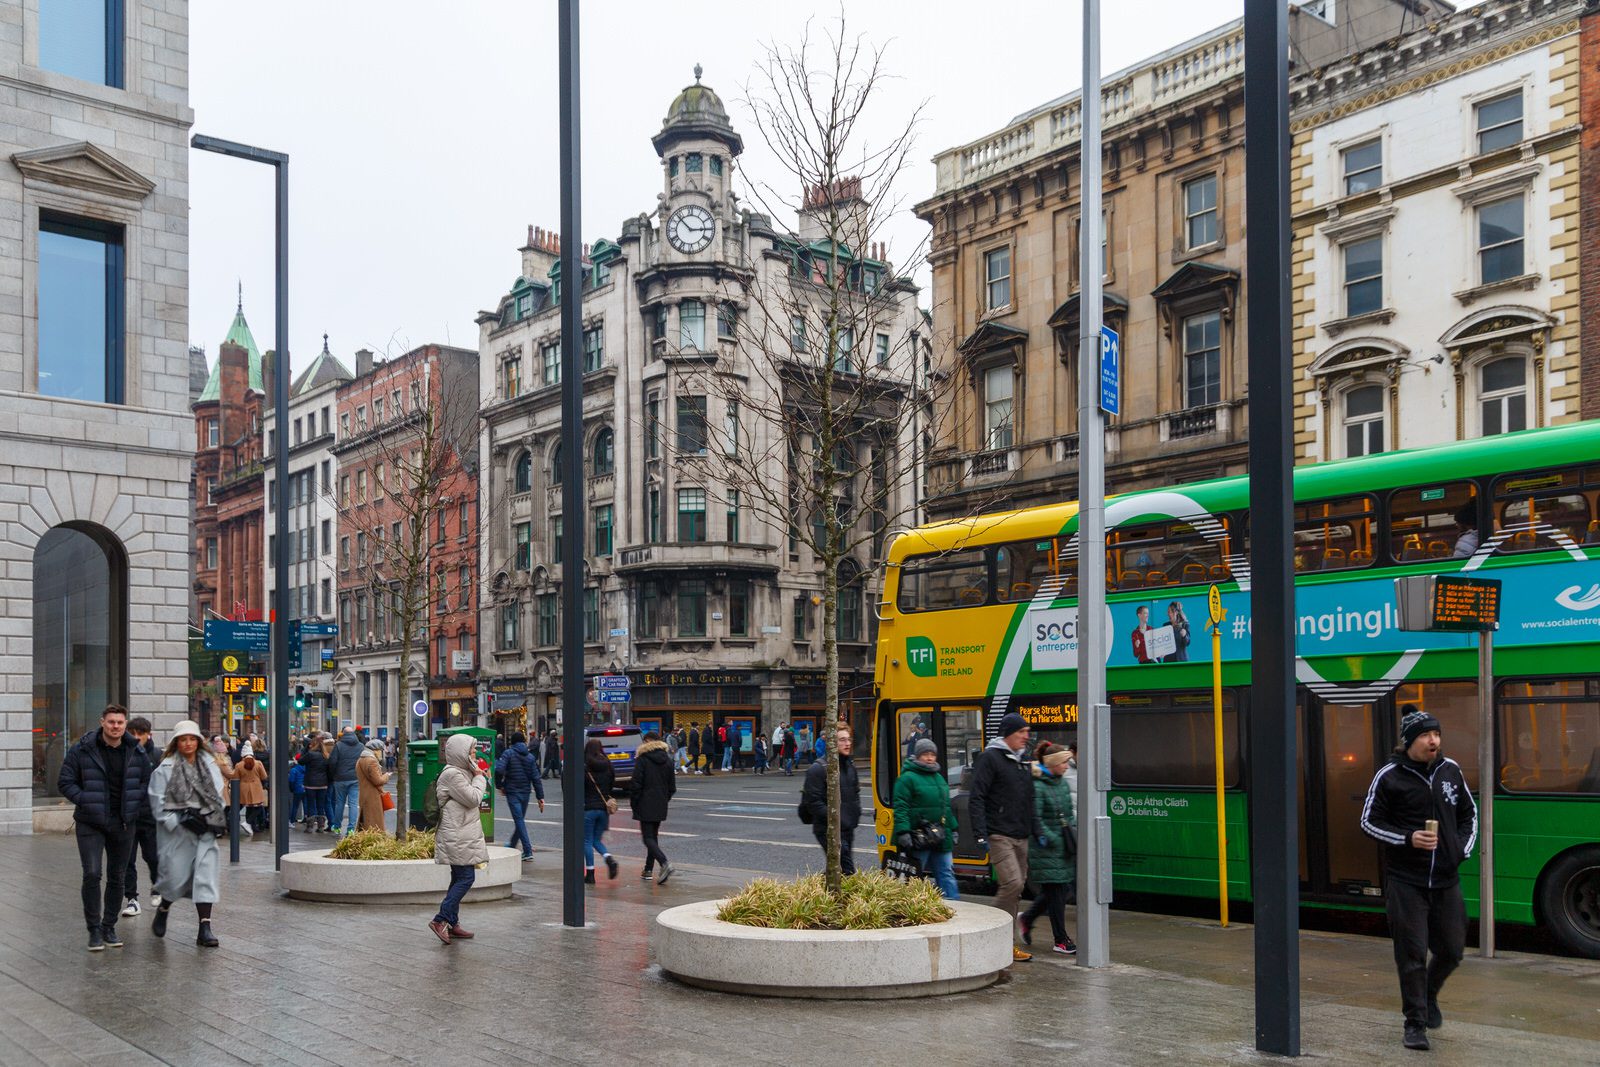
(299, 983)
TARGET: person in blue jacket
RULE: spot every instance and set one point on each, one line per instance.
(517, 770)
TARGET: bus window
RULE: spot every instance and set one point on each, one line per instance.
(1430, 521)
(1552, 499)
(1166, 739)
(962, 741)
(1455, 705)
(1159, 554)
(1023, 568)
(1335, 535)
(1550, 736)
(956, 579)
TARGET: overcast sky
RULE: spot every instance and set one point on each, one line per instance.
(423, 136)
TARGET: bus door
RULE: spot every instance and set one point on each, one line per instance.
(1341, 746)
(958, 732)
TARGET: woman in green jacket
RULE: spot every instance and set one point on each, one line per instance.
(1048, 862)
(922, 795)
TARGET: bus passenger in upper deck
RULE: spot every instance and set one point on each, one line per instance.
(1467, 520)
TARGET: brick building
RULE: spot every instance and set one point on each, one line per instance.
(409, 421)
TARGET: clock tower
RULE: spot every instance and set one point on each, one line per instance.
(697, 145)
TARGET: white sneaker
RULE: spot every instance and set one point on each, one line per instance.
(155, 900)
(131, 907)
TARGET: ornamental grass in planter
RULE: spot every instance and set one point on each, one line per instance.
(382, 845)
(867, 900)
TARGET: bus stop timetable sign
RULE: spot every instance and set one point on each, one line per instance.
(1448, 602)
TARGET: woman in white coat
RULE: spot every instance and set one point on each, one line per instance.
(458, 841)
(186, 799)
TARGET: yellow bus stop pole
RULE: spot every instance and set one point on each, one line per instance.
(1217, 615)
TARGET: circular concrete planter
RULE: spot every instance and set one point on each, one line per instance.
(967, 952)
(314, 876)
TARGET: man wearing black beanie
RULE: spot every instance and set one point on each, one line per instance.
(1416, 789)
(1000, 807)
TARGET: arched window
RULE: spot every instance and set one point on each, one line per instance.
(80, 644)
(522, 481)
(1503, 395)
(1363, 421)
(555, 465)
(604, 451)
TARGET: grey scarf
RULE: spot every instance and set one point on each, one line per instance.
(191, 786)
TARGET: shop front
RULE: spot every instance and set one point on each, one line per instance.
(672, 700)
(511, 711)
(451, 706)
(808, 700)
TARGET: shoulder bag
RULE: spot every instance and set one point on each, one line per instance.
(610, 802)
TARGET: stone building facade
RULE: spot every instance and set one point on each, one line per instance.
(313, 528)
(698, 595)
(95, 428)
(1436, 234)
(1005, 258)
(382, 415)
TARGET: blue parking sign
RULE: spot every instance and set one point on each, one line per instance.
(1110, 371)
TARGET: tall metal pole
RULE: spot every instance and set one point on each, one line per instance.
(1487, 772)
(1274, 845)
(279, 644)
(280, 579)
(572, 517)
(1094, 826)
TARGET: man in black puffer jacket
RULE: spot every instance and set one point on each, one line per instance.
(104, 777)
(1418, 786)
(814, 795)
(1000, 807)
(342, 779)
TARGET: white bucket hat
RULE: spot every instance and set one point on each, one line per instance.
(187, 728)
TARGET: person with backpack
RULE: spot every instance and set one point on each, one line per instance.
(1051, 865)
(458, 842)
(315, 761)
(725, 747)
(708, 747)
(649, 793)
(814, 800)
(516, 774)
(692, 747)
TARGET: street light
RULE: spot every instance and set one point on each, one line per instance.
(279, 162)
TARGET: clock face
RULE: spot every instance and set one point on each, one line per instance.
(690, 228)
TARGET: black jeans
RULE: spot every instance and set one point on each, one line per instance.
(648, 832)
(1052, 901)
(144, 840)
(103, 852)
(461, 878)
(1419, 920)
(847, 846)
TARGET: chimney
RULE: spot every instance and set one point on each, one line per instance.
(845, 195)
(269, 370)
(363, 362)
(542, 252)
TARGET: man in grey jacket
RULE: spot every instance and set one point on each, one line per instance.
(342, 778)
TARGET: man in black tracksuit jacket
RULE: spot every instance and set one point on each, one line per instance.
(1420, 881)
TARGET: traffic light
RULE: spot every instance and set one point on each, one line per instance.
(299, 698)
(263, 701)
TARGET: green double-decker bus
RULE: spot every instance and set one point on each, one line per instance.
(980, 618)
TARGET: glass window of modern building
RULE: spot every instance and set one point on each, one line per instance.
(80, 309)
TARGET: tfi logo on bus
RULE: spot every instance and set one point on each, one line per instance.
(921, 657)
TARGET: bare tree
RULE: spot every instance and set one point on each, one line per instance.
(399, 477)
(828, 415)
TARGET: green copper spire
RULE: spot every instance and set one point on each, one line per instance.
(238, 334)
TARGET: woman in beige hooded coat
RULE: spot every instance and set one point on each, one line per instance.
(372, 778)
(458, 841)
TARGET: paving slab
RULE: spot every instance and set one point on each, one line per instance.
(306, 983)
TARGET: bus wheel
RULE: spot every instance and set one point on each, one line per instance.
(1569, 899)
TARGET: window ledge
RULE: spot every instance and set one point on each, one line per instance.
(1521, 281)
(1382, 316)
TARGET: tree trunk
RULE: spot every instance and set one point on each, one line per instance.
(402, 785)
(830, 653)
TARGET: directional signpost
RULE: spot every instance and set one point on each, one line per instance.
(225, 636)
(1110, 371)
(612, 688)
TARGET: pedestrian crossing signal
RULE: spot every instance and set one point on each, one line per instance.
(299, 698)
(262, 701)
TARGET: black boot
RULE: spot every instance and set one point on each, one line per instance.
(1416, 1037)
(159, 926)
(206, 937)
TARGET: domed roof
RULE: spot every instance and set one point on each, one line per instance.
(697, 111)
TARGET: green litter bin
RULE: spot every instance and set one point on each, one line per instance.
(486, 742)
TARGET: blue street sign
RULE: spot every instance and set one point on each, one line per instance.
(611, 681)
(317, 629)
(224, 636)
(420, 708)
(1110, 371)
